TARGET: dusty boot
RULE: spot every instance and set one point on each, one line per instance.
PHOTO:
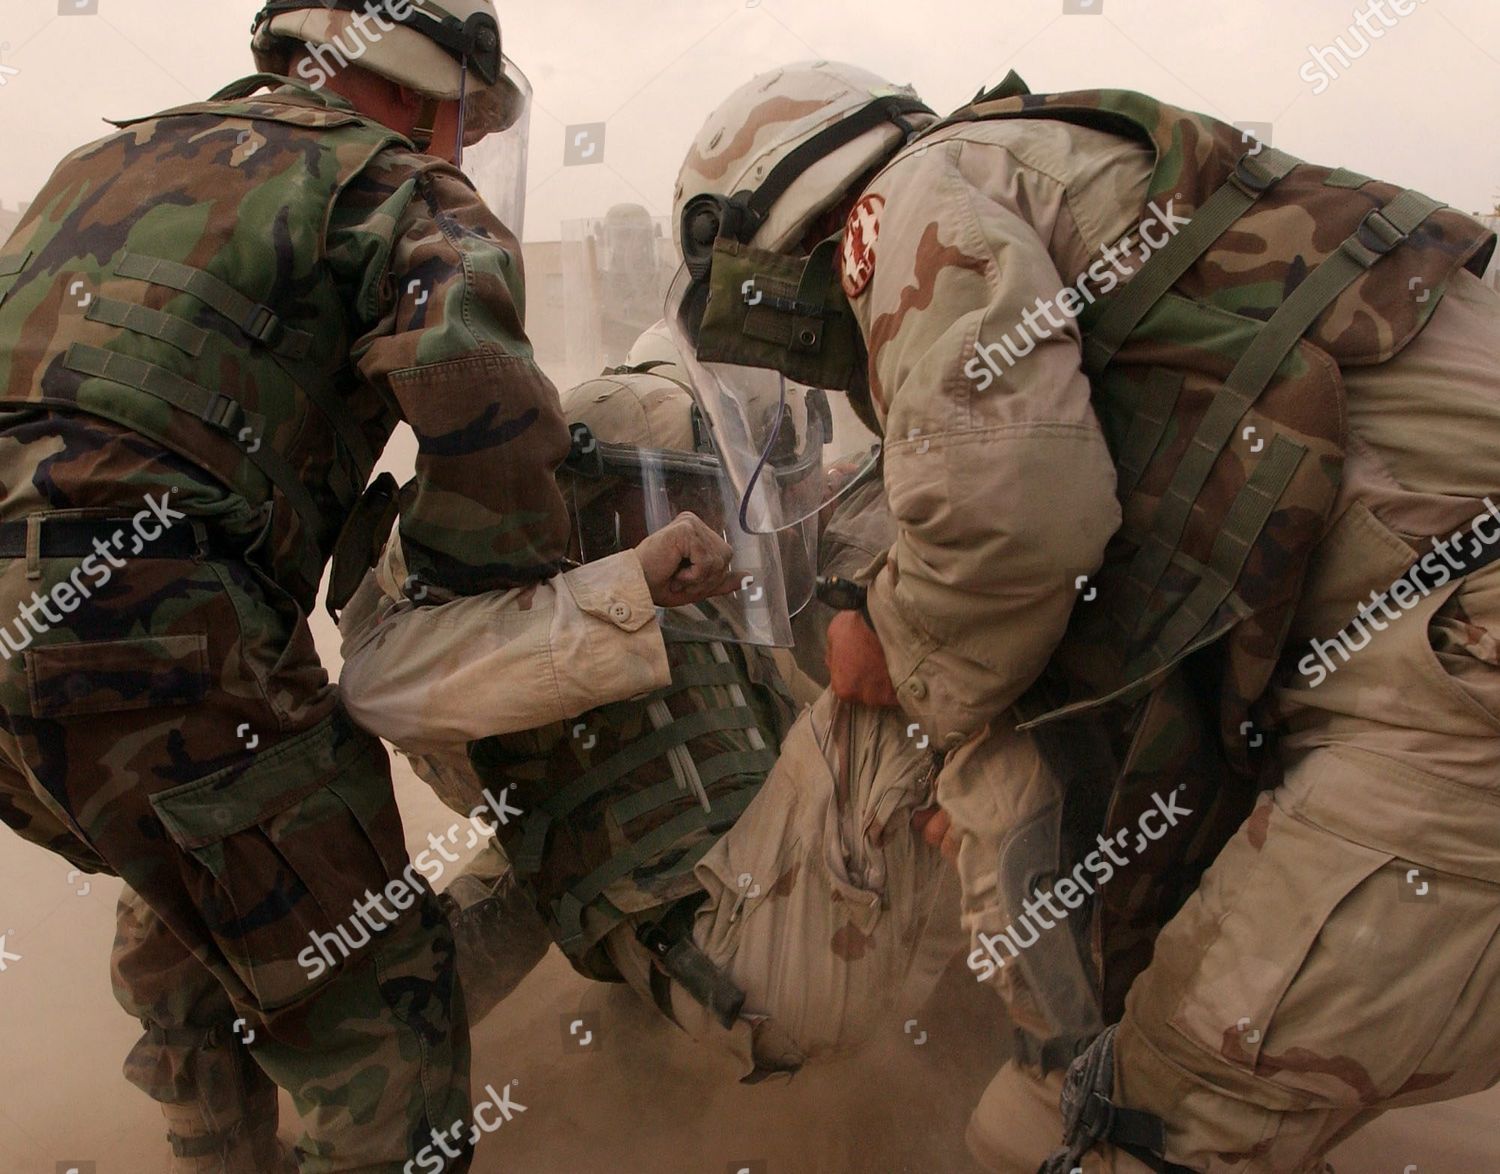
(500, 937)
(247, 1144)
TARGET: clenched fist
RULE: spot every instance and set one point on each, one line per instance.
(856, 663)
(686, 562)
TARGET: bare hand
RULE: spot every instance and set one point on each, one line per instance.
(856, 663)
(686, 562)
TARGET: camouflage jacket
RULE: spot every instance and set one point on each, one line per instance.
(973, 263)
(302, 280)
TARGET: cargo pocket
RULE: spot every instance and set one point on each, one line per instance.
(1237, 958)
(285, 849)
(109, 676)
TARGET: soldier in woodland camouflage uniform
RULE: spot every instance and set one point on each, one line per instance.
(757, 879)
(1161, 406)
(220, 313)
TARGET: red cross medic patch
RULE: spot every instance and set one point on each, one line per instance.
(860, 235)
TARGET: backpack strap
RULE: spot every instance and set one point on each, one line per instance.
(1377, 235)
(1255, 174)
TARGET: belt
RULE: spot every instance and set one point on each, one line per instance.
(77, 538)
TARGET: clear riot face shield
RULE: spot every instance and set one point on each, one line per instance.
(772, 433)
(496, 163)
(620, 493)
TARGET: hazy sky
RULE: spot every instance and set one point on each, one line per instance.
(1418, 107)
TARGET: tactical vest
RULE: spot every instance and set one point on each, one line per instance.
(1216, 377)
(621, 803)
(211, 323)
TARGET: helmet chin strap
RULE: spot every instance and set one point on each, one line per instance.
(463, 110)
(421, 133)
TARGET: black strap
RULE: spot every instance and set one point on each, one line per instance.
(75, 538)
(890, 108)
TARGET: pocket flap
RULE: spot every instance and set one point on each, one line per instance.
(228, 801)
(107, 676)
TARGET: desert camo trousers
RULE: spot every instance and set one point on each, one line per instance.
(180, 732)
(824, 906)
(1342, 955)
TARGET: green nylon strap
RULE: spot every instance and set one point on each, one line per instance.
(166, 328)
(1380, 232)
(216, 410)
(261, 324)
(1342, 177)
(1254, 175)
(569, 910)
(1243, 524)
(528, 857)
(1148, 426)
(716, 769)
(694, 676)
(257, 321)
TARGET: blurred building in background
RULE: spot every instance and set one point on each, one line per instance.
(590, 295)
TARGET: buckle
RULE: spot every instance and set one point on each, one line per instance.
(1378, 234)
(263, 326)
(223, 413)
(1250, 177)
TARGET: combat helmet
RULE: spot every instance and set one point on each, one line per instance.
(448, 51)
(786, 148)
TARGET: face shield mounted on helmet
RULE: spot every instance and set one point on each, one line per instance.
(496, 160)
(767, 335)
(621, 492)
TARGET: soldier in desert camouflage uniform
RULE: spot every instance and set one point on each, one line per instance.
(1129, 491)
(757, 879)
(221, 312)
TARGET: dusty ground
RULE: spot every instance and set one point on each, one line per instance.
(646, 1100)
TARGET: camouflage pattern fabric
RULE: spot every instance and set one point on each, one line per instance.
(185, 731)
(381, 284)
(310, 280)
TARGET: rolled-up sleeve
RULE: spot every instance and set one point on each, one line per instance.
(429, 678)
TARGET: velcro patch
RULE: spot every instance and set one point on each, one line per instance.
(860, 235)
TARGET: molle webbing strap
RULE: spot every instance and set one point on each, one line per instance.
(756, 763)
(694, 676)
(1240, 528)
(569, 910)
(1148, 425)
(140, 319)
(1254, 175)
(218, 411)
(256, 321)
(528, 856)
(260, 324)
(1342, 177)
(1380, 232)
